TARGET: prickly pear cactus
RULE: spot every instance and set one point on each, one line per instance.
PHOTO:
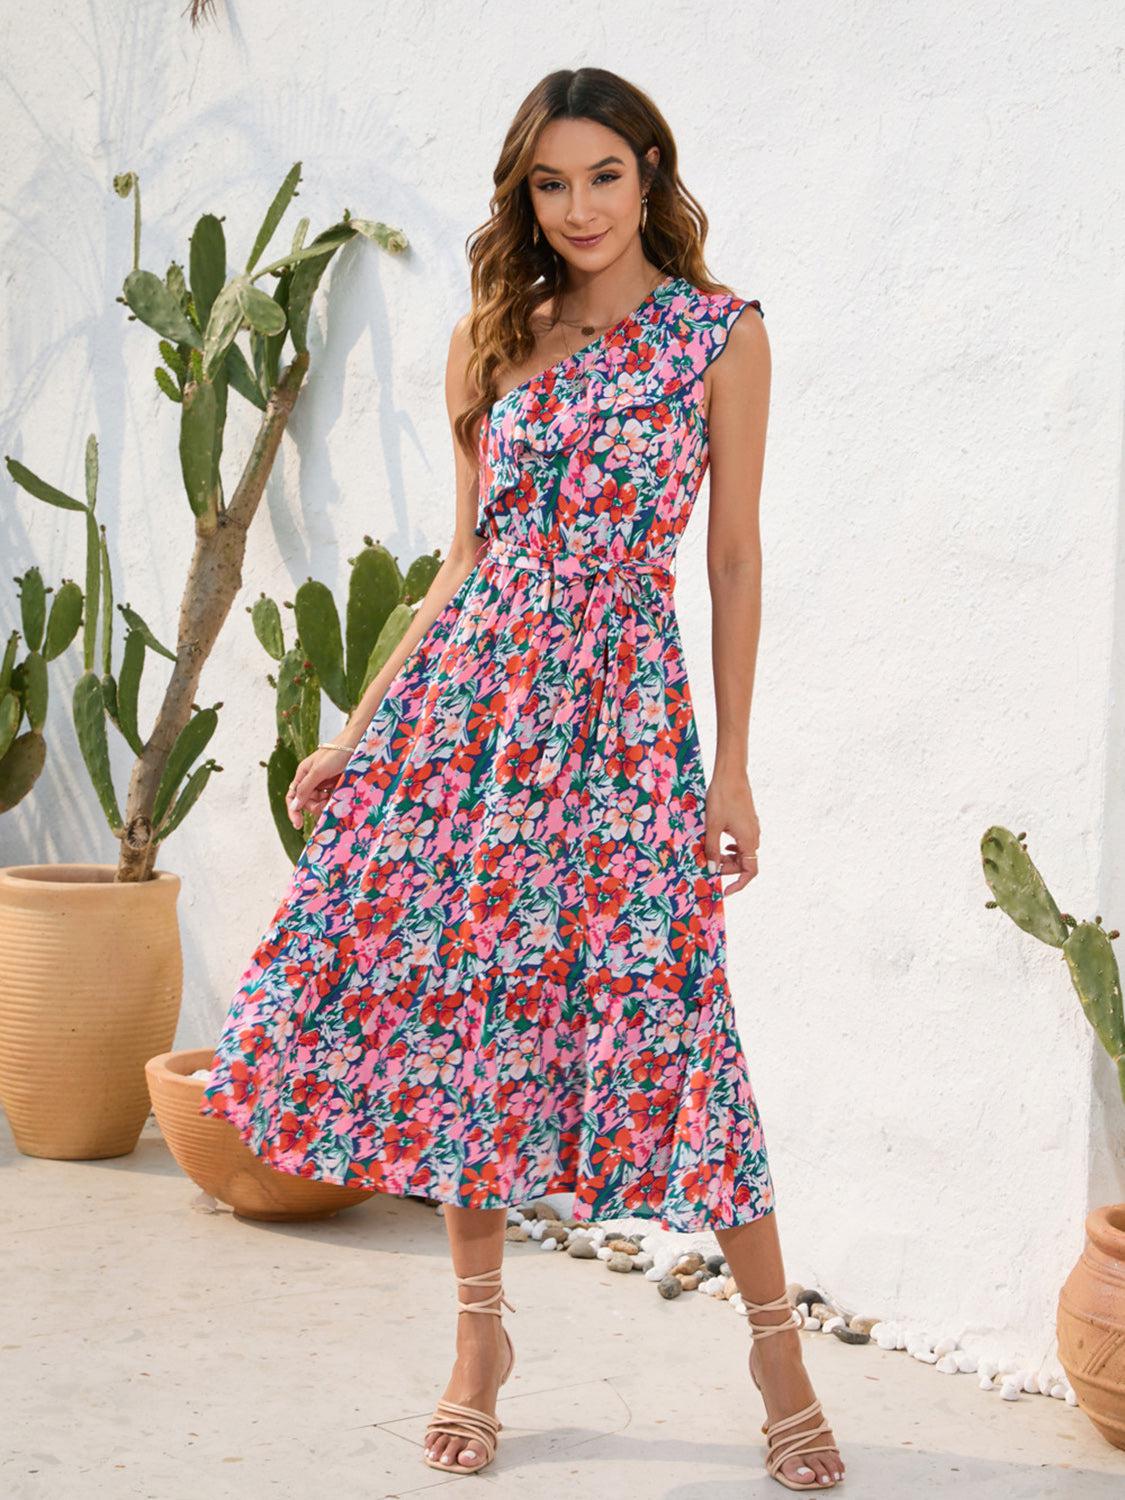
(1019, 890)
(1093, 970)
(23, 684)
(341, 663)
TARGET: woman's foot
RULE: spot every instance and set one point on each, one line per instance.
(482, 1355)
(778, 1365)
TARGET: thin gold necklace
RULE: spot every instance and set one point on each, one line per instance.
(591, 328)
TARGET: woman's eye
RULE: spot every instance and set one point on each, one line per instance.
(602, 176)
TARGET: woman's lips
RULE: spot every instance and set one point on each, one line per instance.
(590, 239)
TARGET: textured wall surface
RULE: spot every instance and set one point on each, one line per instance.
(929, 207)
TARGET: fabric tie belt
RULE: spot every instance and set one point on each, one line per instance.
(605, 640)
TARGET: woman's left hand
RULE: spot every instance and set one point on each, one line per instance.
(730, 810)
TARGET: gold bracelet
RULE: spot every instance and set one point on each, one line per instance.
(330, 745)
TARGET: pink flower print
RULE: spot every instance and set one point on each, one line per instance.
(621, 440)
(517, 821)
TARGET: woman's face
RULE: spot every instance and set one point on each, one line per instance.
(586, 191)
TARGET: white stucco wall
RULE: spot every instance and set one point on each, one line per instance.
(929, 207)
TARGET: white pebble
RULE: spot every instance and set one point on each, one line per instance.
(947, 1364)
(514, 1216)
(1009, 1366)
(713, 1286)
(881, 1327)
(724, 1269)
(987, 1367)
(644, 1262)
(833, 1323)
(1071, 1398)
(652, 1274)
(966, 1362)
(737, 1303)
(549, 1243)
(604, 1253)
(900, 1338)
(1058, 1391)
(986, 1383)
(1044, 1381)
(887, 1339)
(1010, 1391)
(597, 1237)
(945, 1346)
(1031, 1383)
(927, 1356)
(812, 1324)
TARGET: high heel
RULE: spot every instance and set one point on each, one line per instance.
(450, 1418)
(797, 1444)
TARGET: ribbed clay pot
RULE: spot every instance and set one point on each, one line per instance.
(91, 978)
(1091, 1323)
(213, 1154)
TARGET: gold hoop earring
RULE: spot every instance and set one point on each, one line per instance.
(644, 212)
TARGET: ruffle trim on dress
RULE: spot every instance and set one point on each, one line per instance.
(707, 1167)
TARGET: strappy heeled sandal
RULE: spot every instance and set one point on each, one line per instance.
(450, 1418)
(797, 1444)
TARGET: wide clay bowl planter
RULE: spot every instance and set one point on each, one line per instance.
(1091, 1323)
(91, 977)
(213, 1154)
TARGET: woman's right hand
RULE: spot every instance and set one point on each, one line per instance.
(313, 783)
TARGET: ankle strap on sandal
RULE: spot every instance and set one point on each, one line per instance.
(762, 1330)
(485, 1304)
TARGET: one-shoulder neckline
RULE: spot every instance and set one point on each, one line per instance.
(661, 286)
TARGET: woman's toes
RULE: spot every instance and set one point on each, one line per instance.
(811, 1470)
(824, 1472)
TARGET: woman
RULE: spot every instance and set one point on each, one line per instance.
(499, 970)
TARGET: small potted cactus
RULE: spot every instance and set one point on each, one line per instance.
(1090, 1320)
(91, 968)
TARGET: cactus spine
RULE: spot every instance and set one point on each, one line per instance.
(1019, 890)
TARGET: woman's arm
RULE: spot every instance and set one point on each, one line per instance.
(737, 413)
(319, 772)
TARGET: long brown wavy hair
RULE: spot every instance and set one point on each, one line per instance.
(512, 274)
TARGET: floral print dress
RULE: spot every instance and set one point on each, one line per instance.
(499, 969)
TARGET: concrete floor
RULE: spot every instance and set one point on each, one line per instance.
(151, 1349)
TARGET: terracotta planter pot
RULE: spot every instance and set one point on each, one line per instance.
(91, 977)
(1091, 1323)
(213, 1154)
